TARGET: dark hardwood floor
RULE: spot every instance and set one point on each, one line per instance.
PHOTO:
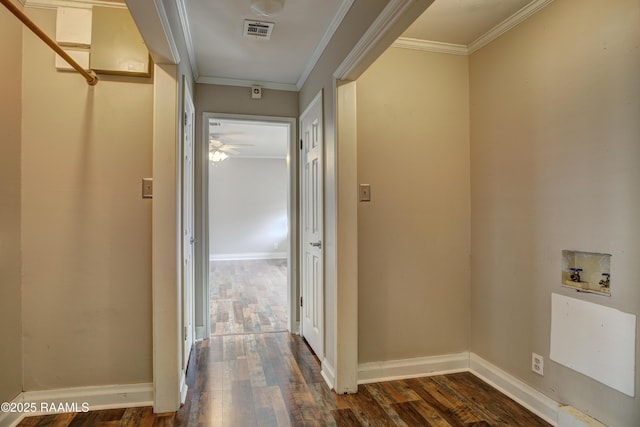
(248, 296)
(273, 379)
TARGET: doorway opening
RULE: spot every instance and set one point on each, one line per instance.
(251, 218)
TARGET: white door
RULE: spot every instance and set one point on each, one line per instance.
(188, 270)
(312, 265)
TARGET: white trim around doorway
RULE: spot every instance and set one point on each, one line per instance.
(292, 210)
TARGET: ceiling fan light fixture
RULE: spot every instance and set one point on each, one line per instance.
(217, 156)
(267, 7)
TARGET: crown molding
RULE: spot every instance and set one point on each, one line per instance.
(459, 49)
(416, 44)
(324, 41)
(166, 26)
(246, 83)
(186, 31)
(82, 4)
(152, 22)
(515, 19)
(354, 62)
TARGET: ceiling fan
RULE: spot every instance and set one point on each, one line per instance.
(218, 151)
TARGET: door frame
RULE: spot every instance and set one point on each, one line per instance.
(293, 296)
(188, 290)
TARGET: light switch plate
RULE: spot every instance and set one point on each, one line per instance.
(147, 188)
(365, 193)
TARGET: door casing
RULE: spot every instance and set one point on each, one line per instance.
(188, 231)
(292, 211)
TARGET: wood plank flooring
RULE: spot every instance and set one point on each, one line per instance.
(273, 379)
(248, 296)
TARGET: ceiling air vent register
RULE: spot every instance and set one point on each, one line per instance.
(258, 29)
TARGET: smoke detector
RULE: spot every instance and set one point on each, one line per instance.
(267, 7)
(258, 29)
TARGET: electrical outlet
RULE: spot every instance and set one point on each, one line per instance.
(537, 364)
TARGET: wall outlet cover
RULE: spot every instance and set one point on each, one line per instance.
(537, 364)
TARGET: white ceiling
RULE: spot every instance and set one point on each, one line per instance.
(222, 55)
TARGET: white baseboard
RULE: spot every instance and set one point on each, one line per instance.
(248, 256)
(200, 333)
(184, 388)
(12, 418)
(97, 398)
(295, 328)
(568, 416)
(543, 406)
(328, 374)
(412, 368)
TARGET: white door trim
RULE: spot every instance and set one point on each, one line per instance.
(346, 251)
(292, 209)
(188, 227)
(389, 24)
(166, 257)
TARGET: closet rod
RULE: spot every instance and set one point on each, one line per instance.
(91, 77)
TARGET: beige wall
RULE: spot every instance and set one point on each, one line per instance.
(414, 236)
(86, 230)
(10, 222)
(554, 165)
(237, 100)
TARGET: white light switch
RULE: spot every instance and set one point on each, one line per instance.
(365, 193)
